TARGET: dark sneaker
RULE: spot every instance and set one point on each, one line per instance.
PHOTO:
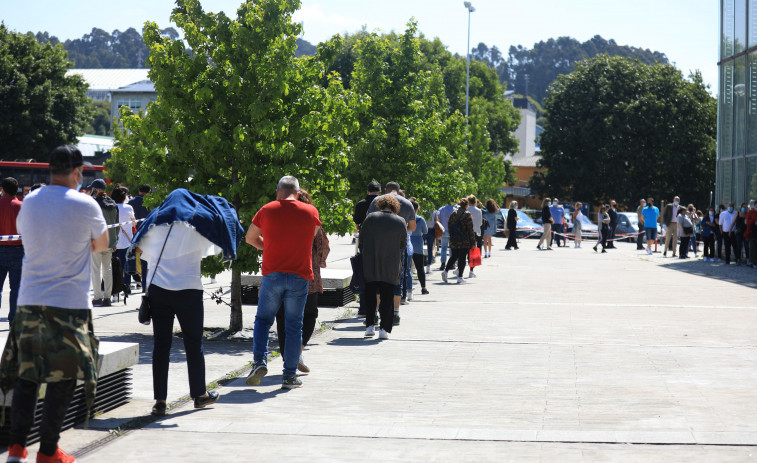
(211, 398)
(97, 302)
(106, 302)
(290, 382)
(396, 321)
(424, 291)
(159, 409)
(259, 370)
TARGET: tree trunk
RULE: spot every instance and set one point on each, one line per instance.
(235, 319)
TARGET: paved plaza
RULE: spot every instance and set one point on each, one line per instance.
(555, 356)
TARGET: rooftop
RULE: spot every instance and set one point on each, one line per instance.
(110, 79)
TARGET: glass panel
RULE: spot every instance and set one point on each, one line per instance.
(725, 112)
(751, 147)
(739, 43)
(727, 29)
(739, 107)
(738, 181)
(725, 174)
(752, 23)
(751, 177)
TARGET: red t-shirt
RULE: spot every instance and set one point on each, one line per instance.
(288, 227)
(9, 207)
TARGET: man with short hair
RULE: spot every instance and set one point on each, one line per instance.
(726, 221)
(51, 340)
(670, 220)
(650, 215)
(102, 287)
(284, 230)
(613, 213)
(558, 214)
(11, 251)
(443, 215)
(407, 212)
(640, 215)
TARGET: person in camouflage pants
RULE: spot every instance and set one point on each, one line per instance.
(51, 339)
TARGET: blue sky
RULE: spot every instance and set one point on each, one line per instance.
(686, 30)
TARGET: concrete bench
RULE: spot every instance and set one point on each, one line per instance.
(336, 288)
(113, 388)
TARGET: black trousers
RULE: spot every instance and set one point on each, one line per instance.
(709, 246)
(186, 305)
(719, 245)
(458, 255)
(729, 241)
(309, 317)
(386, 308)
(683, 248)
(57, 399)
(640, 240)
(418, 261)
(511, 239)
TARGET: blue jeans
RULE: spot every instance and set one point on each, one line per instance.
(11, 258)
(445, 244)
(276, 288)
(121, 254)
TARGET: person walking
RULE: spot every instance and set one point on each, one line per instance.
(383, 239)
(558, 226)
(140, 213)
(603, 219)
(650, 214)
(640, 215)
(284, 230)
(478, 217)
(51, 339)
(443, 215)
(361, 210)
(102, 267)
(685, 231)
(578, 217)
(461, 239)
(321, 251)
(546, 221)
(492, 210)
(125, 231)
(612, 211)
(512, 226)
(418, 237)
(11, 251)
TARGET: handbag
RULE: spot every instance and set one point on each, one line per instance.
(357, 284)
(438, 230)
(145, 310)
(474, 257)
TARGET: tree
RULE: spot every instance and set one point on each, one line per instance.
(238, 113)
(42, 107)
(101, 119)
(619, 128)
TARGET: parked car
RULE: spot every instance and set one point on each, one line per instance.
(526, 225)
(587, 226)
(628, 223)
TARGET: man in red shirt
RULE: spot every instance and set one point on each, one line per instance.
(11, 252)
(284, 231)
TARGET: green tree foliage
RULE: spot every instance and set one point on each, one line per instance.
(101, 119)
(42, 107)
(529, 72)
(407, 134)
(238, 113)
(619, 128)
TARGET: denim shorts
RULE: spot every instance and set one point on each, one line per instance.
(651, 233)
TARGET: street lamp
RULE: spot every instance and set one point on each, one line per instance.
(471, 9)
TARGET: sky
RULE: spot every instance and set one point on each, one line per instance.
(685, 30)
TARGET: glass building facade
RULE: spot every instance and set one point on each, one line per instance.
(737, 103)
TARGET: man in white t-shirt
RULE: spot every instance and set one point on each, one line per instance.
(51, 339)
(726, 221)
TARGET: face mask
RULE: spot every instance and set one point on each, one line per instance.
(691, 210)
(554, 203)
(81, 182)
(712, 213)
(675, 203)
(743, 209)
(730, 209)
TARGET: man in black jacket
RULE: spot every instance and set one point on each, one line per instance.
(613, 213)
(361, 210)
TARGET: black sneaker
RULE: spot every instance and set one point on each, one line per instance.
(159, 409)
(106, 302)
(97, 302)
(259, 370)
(211, 398)
(290, 382)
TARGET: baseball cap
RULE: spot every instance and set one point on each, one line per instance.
(97, 183)
(66, 157)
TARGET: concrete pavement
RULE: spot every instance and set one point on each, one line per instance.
(563, 355)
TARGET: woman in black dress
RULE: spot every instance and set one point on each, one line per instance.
(512, 225)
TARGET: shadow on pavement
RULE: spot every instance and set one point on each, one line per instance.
(352, 342)
(732, 273)
(145, 342)
(249, 396)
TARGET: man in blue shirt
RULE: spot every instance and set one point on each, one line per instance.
(443, 218)
(651, 214)
(558, 213)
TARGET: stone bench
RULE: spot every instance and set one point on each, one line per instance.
(336, 288)
(113, 389)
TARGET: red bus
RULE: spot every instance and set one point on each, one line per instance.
(29, 173)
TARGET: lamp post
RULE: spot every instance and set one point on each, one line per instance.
(471, 9)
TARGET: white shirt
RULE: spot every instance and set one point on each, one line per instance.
(58, 225)
(726, 220)
(125, 214)
(477, 219)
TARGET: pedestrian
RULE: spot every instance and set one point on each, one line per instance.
(418, 237)
(603, 219)
(709, 225)
(361, 210)
(140, 213)
(739, 227)
(461, 239)
(492, 211)
(320, 252)
(718, 233)
(478, 217)
(640, 215)
(102, 267)
(443, 217)
(651, 214)
(546, 221)
(11, 251)
(52, 340)
(685, 231)
(670, 219)
(612, 211)
(284, 230)
(578, 217)
(383, 240)
(726, 221)
(431, 239)
(125, 229)
(174, 239)
(512, 226)
(696, 219)
(751, 233)
(558, 225)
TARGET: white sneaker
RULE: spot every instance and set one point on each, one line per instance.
(460, 280)
(409, 296)
(428, 269)
(471, 274)
(444, 276)
(369, 332)
(383, 334)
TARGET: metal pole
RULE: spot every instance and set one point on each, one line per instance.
(467, 67)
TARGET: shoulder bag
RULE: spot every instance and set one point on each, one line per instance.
(145, 310)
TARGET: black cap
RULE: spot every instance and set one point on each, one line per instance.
(66, 157)
(97, 183)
